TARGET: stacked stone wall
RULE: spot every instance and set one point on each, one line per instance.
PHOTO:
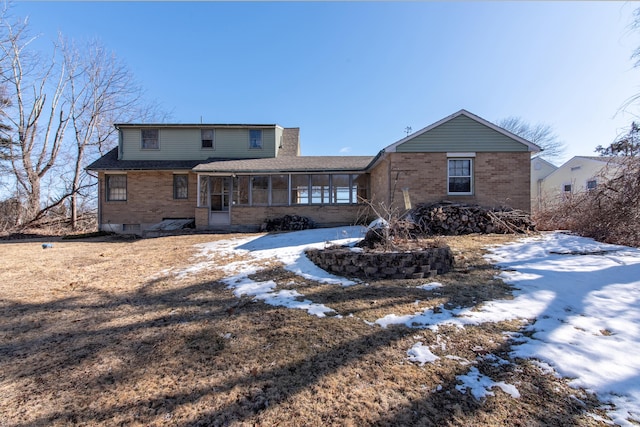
(383, 265)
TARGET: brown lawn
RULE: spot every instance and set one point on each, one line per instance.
(102, 332)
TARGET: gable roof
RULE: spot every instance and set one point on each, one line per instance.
(542, 159)
(530, 145)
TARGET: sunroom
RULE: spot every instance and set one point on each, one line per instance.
(246, 192)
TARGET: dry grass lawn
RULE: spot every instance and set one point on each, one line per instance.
(102, 332)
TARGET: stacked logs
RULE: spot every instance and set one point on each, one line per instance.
(446, 218)
(288, 223)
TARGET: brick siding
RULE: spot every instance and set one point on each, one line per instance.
(500, 179)
(149, 199)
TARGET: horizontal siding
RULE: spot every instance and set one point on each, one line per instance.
(277, 138)
(185, 144)
(461, 134)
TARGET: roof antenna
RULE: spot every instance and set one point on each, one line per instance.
(408, 130)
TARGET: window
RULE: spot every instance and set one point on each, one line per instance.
(340, 191)
(260, 190)
(566, 188)
(592, 184)
(116, 187)
(299, 189)
(255, 139)
(180, 186)
(279, 189)
(320, 189)
(206, 136)
(460, 176)
(150, 139)
(241, 190)
(203, 196)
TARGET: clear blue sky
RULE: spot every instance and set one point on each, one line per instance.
(353, 75)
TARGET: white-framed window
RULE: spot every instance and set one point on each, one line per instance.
(150, 140)
(181, 186)
(116, 187)
(592, 184)
(460, 176)
(567, 188)
(207, 138)
(255, 139)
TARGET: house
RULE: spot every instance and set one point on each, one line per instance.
(579, 174)
(540, 169)
(233, 177)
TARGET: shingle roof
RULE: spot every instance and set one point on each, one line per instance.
(269, 165)
(110, 162)
(289, 164)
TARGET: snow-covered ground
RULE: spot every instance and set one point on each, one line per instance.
(580, 297)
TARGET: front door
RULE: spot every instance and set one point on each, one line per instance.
(220, 194)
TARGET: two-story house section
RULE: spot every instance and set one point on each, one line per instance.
(224, 176)
(234, 177)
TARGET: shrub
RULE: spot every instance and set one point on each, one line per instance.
(609, 213)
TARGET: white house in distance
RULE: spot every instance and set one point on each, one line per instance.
(580, 173)
(540, 169)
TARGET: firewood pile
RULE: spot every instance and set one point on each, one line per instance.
(288, 223)
(446, 218)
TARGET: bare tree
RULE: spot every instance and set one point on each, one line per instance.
(102, 91)
(626, 145)
(540, 134)
(38, 117)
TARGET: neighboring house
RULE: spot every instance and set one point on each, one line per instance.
(579, 174)
(233, 177)
(540, 169)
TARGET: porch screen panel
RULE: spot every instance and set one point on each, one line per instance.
(260, 190)
(360, 188)
(340, 192)
(279, 189)
(203, 195)
(300, 189)
(320, 189)
(241, 190)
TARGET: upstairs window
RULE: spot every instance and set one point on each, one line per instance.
(116, 187)
(460, 179)
(592, 184)
(566, 188)
(150, 139)
(206, 136)
(180, 186)
(255, 139)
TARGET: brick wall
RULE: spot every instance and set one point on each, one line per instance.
(324, 216)
(500, 179)
(149, 200)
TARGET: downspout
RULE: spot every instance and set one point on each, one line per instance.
(539, 195)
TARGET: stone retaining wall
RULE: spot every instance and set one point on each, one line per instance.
(383, 265)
